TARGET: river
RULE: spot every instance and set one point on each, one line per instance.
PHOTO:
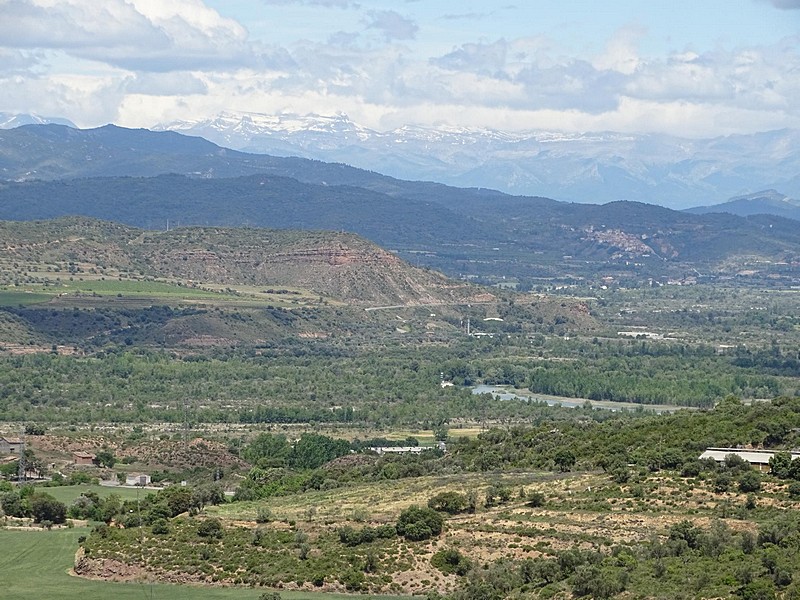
(505, 393)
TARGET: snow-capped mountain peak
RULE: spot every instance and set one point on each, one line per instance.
(582, 167)
(12, 120)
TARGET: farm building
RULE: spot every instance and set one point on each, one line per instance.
(757, 458)
(137, 479)
(397, 449)
(406, 449)
(9, 445)
(83, 458)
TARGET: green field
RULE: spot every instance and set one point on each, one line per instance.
(68, 493)
(16, 298)
(36, 564)
(138, 288)
(165, 292)
(104, 287)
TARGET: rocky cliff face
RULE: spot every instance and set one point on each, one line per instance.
(340, 266)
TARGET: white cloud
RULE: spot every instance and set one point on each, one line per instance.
(323, 3)
(477, 58)
(91, 100)
(138, 62)
(164, 84)
(750, 79)
(71, 26)
(621, 53)
(392, 25)
(18, 62)
(149, 35)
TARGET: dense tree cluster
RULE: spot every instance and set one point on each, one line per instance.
(32, 503)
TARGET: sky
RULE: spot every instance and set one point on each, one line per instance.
(695, 68)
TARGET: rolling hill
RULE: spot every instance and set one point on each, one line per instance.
(81, 285)
(339, 266)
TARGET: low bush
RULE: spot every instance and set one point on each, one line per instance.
(417, 523)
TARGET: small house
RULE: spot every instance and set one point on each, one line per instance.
(83, 458)
(137, 479)
(10, 445)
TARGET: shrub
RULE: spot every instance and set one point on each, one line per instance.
(620, 474)
(780, 464)
(160, 527)
(536, 499)
(79, 477)
(350, 536)
(450, 561)
(264, 515)
(749, 482)
(46, 508)
(693, 468)
(416, 523)
(736, 464)
(591, 580)
(35, 429)
(687, 532)
(722, 483)
(302, 550)
(14, 505)
(497, 495)
(794, 490)
(449, 502)
(352, 580)
(210, 528)
(760, 589)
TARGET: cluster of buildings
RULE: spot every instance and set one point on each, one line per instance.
(11, 448)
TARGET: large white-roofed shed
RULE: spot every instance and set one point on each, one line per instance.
(757, 458)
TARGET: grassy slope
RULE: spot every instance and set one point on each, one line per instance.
(35, 564)
(68, 493)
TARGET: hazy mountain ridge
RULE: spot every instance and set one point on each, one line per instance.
(592, 167)
(459, 231)
(769, 202)
(256, 201)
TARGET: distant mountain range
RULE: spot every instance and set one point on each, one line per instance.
(767, 202)
(152, 179)
(588, 168)
(591, 167)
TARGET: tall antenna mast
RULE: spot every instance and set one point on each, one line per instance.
(185, 422)
(23, 471)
